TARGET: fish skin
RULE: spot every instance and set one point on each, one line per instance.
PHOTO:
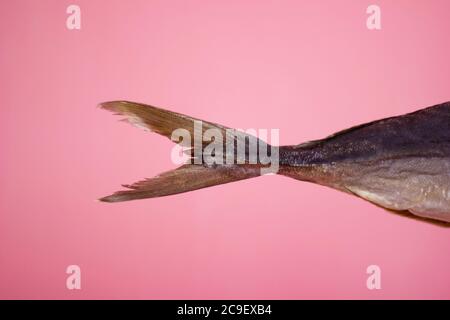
(400, 163)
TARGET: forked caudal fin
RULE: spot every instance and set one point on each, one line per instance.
(207, 166)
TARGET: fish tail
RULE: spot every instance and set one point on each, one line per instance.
(198, 172)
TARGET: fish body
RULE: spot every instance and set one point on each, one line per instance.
(399, 163)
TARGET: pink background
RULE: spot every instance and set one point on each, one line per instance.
(308, 68)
